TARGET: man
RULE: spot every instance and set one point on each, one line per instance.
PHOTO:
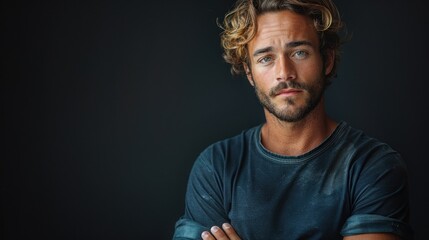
(300, 175)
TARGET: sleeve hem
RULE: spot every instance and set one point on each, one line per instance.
(371, 223)
(188, 229)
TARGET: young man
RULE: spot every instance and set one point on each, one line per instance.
(300, 175)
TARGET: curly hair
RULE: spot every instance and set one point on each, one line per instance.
(239, 27)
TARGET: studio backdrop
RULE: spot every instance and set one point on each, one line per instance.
(106, 105)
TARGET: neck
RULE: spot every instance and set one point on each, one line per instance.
(297, 138)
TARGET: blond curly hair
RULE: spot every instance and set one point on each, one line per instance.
(239, 27)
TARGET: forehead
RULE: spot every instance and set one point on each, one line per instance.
(282, 27)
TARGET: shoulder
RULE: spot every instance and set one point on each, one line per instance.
(365, 159)
(230, 147)
(365, 149)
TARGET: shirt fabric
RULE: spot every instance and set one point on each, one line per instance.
(350, 184)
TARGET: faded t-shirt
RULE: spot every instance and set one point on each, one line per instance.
(350, 184)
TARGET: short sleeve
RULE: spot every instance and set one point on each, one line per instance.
(379, 190)
(368, 223)
(204, 198)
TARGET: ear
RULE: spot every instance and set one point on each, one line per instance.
(248, 74)
(329, 61)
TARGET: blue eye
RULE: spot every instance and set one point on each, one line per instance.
(300, 54)
(266, 59)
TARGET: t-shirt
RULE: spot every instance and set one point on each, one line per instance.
(350, 184)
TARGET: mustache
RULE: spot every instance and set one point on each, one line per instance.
(284, 85)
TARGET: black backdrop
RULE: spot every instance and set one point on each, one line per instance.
(106, 104)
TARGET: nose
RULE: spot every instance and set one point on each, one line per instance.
(285, 69)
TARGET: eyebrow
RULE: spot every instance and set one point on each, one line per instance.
(288, 45)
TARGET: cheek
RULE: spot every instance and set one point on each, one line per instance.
(263, 74)
(264, 80)
(312, 70)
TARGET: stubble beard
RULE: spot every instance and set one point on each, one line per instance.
(291, 112)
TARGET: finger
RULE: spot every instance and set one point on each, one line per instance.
(230, 232)
(207, 236)
(218, 233)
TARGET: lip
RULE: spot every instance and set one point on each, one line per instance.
(288, 92)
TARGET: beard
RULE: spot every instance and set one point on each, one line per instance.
(291, 112)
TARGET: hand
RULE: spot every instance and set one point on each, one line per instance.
(226, 233)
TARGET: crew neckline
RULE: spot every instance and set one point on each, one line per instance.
(300, 158)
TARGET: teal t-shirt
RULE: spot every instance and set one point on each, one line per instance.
(350, 184)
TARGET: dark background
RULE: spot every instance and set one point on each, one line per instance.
(106, 104)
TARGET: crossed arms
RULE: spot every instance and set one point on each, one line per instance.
(227, 232)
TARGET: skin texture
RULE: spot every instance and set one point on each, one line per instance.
(288, 73)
